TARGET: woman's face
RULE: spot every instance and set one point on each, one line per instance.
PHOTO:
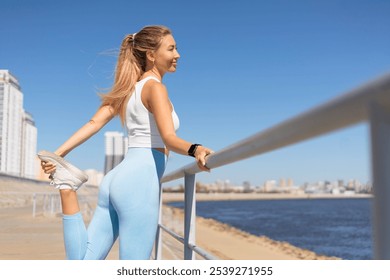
(166, 56)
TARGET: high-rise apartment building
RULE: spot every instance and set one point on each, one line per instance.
(116, 146)
(29, 144)
(17, 130)
(11, 115)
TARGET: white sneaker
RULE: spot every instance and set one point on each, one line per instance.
(66, 176)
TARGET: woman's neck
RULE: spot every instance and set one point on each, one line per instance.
(152, 72)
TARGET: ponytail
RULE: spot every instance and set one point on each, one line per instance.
(127, 73)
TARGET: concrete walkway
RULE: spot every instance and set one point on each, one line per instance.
(23, 237)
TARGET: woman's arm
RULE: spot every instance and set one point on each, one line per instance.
(159, 105)
(101, 118)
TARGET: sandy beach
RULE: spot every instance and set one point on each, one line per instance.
(26, 234)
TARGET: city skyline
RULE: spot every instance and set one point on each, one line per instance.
(244, 67)
(337, 188)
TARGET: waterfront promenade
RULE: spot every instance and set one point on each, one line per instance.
(23, 237)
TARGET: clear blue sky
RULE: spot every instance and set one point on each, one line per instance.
(245, 66)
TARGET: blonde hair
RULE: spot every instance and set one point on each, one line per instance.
(131, 65)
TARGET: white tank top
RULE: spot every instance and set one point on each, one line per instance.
(140, 123)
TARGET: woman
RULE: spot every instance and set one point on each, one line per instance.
(128, 197)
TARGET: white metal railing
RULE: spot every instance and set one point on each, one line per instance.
(49, 204)
(46, 204)
(370, 102)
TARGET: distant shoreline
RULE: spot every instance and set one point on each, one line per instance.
(173, 197)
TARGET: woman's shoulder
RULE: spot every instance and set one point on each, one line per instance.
(154, 87)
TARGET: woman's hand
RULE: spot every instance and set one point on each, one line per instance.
(200, 155)
(48, 167)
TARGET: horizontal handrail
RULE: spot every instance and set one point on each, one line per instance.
(197, 249)
(172, 233)
(345, 110)
(202, 252)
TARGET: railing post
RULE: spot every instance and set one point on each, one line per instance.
(158, 241)
(51, 205)
(34, 205)
(189, 215)
(380, 145)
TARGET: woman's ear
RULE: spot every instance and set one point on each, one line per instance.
(150, 56)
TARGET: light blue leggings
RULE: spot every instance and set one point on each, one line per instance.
(128, 206)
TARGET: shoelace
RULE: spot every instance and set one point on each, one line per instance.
(52, 183)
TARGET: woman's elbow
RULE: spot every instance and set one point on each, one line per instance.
(169, 141)
(94, 126)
